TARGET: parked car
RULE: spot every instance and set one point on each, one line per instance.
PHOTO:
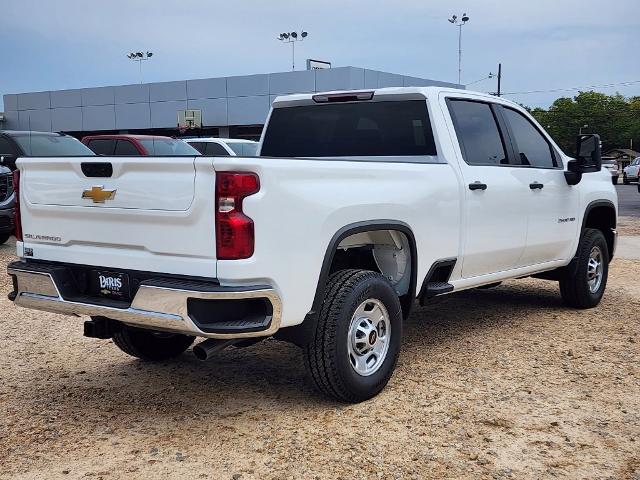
(631, 173)
(362, 203)
(137, 145)
(19, 144)
(224, 147)
(611, 164)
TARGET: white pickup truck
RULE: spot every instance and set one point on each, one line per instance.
(360, 203)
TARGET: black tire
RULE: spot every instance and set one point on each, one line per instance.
(327, 357)
(574, 288)
(625, 180)
(4, 237)
(150, 344)
(614, 180)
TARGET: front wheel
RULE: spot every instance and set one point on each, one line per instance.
(150, 344)
(357, 339)
(584, 287)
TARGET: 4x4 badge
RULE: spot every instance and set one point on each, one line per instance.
(98, 194)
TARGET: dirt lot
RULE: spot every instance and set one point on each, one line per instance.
(503, 383)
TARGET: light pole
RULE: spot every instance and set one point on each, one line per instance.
(459, 22)
(292, 38)
(139, 57)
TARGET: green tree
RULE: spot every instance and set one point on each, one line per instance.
(615, 118)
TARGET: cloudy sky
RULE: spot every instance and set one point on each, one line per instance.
(542, 44)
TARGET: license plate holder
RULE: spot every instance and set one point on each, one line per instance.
(114, 285)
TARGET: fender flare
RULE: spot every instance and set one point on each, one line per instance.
(301, 334)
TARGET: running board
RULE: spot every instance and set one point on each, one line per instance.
(433, 289)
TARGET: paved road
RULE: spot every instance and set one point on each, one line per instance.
(628, 200)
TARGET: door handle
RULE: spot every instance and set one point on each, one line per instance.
(477, 186)
(536, 186)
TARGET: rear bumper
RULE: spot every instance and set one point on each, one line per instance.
(187, 307)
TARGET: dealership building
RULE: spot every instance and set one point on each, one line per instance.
(235, 107)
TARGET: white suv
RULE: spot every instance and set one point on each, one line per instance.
(224, 147)
(632, 172)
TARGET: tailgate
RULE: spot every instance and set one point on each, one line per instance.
(152, 214)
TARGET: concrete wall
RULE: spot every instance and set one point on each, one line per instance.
(240, 100)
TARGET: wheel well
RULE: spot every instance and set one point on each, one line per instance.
(369, 245)
(603, 218)
(384, 251)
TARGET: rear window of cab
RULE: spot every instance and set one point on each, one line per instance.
(353, 129)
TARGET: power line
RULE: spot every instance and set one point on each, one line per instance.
(633, 82)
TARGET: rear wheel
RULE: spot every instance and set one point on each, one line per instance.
(150, 344)
(357, 340)
(625, 180)
(585, 286)
(4, 237)
(615, 180)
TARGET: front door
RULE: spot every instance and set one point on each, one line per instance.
(552, 205)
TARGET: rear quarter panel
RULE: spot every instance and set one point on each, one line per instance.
(302, 203)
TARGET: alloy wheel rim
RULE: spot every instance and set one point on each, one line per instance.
(595, 269)
(369, 336)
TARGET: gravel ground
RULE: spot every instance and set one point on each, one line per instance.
(502, 383)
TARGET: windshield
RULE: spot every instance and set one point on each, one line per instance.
(377, 129)
(168, 146)
(52, 146)
(244, 149)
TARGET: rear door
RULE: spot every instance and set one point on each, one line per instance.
(140, 213)
(495, 206)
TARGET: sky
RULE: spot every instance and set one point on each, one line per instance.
(542, 44)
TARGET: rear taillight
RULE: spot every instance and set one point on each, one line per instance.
(17, 223)
(234, 230)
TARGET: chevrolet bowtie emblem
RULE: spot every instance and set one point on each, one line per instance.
(98, 194)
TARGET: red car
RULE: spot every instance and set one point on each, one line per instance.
(138, 145)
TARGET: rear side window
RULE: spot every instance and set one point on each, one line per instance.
(51, 145)
(216, 149)
(372, 129)
(200, 146)
(126, 148)
(168, 146)
(243, 149)
(102, 146)
(478, 133)
(531, 147)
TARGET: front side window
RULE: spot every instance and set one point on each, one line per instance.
(478, 133)
(6, 147)
(531, 147)
(351, 129)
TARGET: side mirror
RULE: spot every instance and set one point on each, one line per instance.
(588, 153)
(588, 158)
